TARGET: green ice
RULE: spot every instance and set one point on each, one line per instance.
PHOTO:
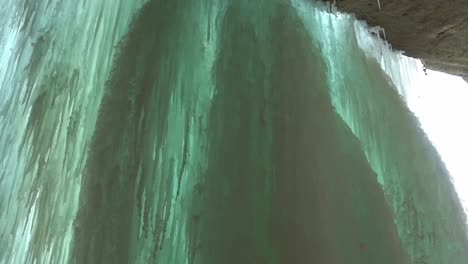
(210, 131)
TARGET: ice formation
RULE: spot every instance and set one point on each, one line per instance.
(213, 131)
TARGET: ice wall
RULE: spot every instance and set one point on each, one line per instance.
(149, 147)
(216, 144)
(210, 131)
(428, 214)
(56, 56)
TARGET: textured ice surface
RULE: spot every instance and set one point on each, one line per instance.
(217, 143)
(211, 131)
(56, 56)
(428, 214)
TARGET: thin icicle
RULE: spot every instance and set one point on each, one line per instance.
(378, 2)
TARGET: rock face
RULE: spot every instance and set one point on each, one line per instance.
(435, 31)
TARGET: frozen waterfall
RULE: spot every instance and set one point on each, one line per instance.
(217, 131)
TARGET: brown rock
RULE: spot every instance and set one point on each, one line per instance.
(435, 31)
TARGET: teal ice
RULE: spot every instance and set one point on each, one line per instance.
(213, 131)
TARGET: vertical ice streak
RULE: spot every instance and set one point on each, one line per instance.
(428, 214)
(272, 192)
(436, 98)
(196, 159)
(210, 131)
(55, 58)
(148, 151)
